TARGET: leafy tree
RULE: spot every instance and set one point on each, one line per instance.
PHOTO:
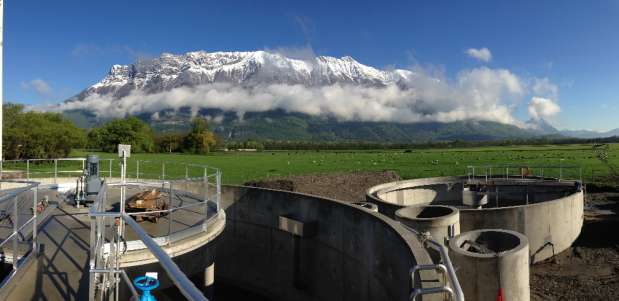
(37, 135)
(125, 131)
(200, 140)
(172, 141)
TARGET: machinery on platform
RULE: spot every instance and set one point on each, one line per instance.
(89, 184)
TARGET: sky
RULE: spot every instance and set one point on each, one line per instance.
(564, 53)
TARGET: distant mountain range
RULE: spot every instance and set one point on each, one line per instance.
(246, 69)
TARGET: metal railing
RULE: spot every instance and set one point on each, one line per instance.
(558, 172)
(19, 201)
(455, 291)
(105, 257)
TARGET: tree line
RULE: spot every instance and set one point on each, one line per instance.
(368, 145)
(32, 134)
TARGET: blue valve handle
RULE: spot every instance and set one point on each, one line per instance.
(146, 287)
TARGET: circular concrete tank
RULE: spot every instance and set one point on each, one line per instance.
(368, 206)
(439, 220)
(482, 273)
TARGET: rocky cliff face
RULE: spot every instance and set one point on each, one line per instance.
(170, 71)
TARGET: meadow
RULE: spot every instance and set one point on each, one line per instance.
(240, 167)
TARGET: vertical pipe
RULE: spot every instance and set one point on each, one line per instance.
(112, 258)
(137, 171)
(170, 215)
(219, 194)
(163, 172)
(93, 255)
(15, 236)
(205, 199)
(34, 222)
(560, 173)
(186, 177)
(110, 170)
(27, 170)
(490, 173)
(209, 282)
(56, 171)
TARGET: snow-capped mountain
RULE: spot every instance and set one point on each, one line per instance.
(541, 126)
(169, 71)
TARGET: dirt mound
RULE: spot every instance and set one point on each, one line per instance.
(589, 270)
(348, 187)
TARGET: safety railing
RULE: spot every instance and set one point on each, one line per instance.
(455, 291)
(105, 257)
(19, 200)
(558, 172)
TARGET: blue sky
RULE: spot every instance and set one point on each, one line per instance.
(54, 50)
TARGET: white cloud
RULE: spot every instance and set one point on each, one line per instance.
(267, 119)
(481, 94)
(543, 87)
(543, 107)
(302, 53)
(155, 116)
(38, 85)
(480, 54)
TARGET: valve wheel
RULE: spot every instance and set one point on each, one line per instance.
(146, 286)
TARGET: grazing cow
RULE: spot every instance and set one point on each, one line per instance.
(287, 162)
(457, 164)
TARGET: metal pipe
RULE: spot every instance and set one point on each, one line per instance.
(182, 282)
(170, 215)
(441, 268)
(27, 170)
(36, 209)
(477, 246)
(16, 237)
(205, 198)
(137, 172)
(219, 194)
(433, 290)
(163, 172)
(446, 261)
(186, 177)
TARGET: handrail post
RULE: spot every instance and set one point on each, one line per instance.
(218, 194)
(34, 222)
(205, 198)
(163, 173)
(110, 170)
(170, 215)
(28, 170)
(186, 177)
(137, 172)
(56, 171)
(15, 236)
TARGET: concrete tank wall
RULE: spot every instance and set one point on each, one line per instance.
(357, 254)
(481, 275)
(556, 217)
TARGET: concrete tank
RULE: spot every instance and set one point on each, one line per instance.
(439, 220)
(368, 206)
(503, 263)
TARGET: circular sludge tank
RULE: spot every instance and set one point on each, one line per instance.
(488, 260)
(544, 210)
(367, 206)
(438, 220)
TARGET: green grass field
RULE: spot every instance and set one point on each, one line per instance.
(242, 167)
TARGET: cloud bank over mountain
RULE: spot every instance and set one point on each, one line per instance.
(321, 86)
